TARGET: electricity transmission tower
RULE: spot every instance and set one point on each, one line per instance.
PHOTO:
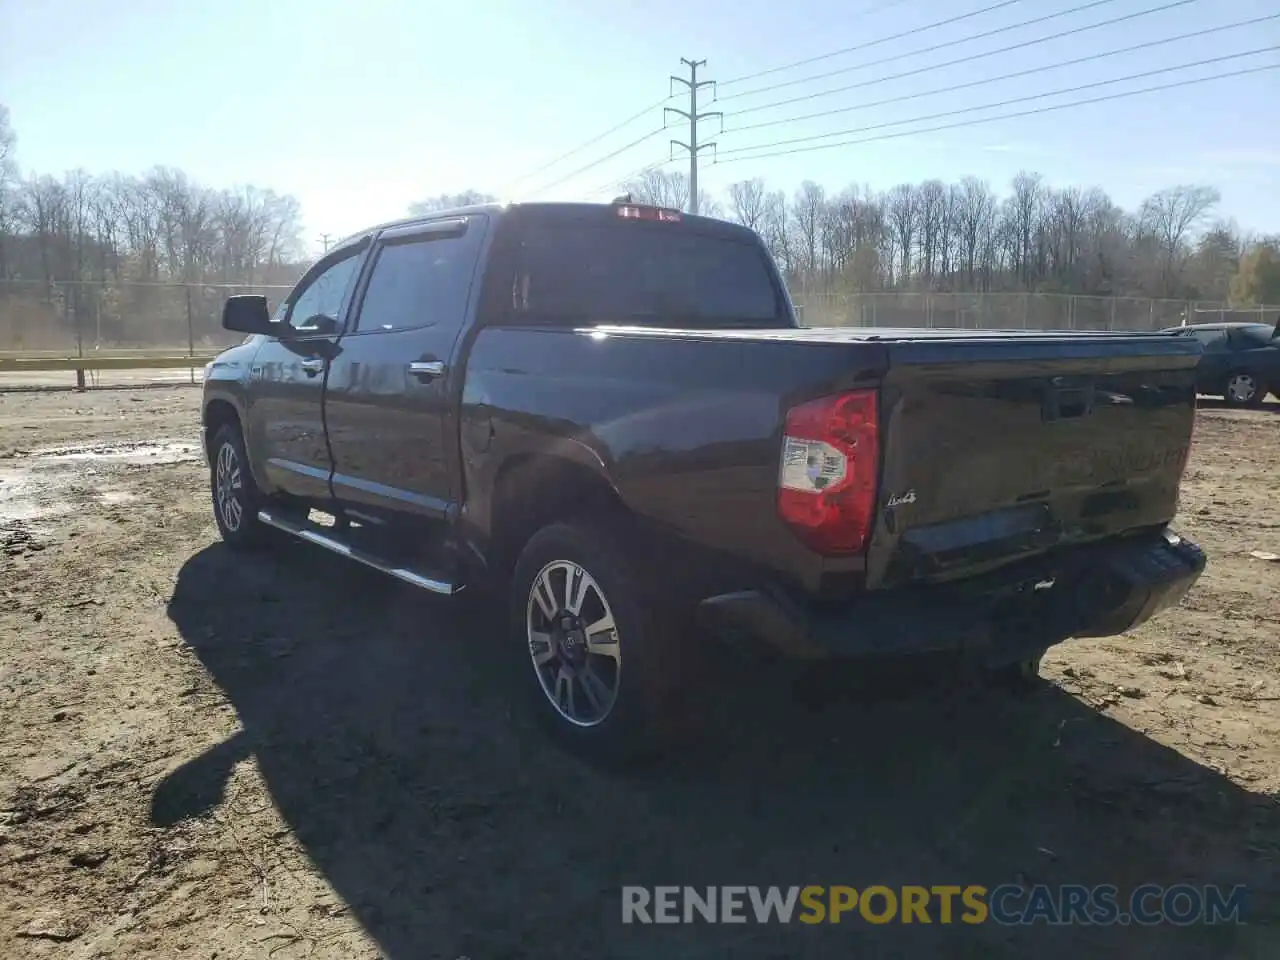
(693, 116)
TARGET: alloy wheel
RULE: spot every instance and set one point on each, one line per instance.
(573, 643)
(227, 486)
(1241, 388)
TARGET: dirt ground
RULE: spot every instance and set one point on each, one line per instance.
(287, 756)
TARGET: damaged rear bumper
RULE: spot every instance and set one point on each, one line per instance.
(1095, 590)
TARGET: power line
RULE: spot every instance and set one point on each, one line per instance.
(955, 43)
(1007, 116)
(873, 43)
(1195, 34)
(1008, 103)
(590, 143)
(951, 63)
(595, 163)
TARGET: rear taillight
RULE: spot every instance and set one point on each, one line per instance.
(830, 462)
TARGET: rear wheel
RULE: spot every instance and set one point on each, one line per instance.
(236, 498)
(598, 639)
(1244, 389)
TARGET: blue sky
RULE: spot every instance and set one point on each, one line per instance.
(360, 107)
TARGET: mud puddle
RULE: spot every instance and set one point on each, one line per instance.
(52, 481)
(128, 451)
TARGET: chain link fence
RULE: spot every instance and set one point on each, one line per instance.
(1017, 311)
(75, 318)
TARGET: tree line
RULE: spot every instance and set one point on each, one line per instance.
(964, 237)
(157, 226)
(930, 236)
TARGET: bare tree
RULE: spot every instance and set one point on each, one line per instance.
(807, 213)
(8, 182)
(776, 230)
(1105, 244)
(747, 203)
(1064, 223)
(1022, 211)
(661, 188)
(931, 198)
(903, 210)
(852, 234)
(975, 210)
(43, 212)
(1168, 216)
(670, 189)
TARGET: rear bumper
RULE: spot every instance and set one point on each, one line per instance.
(1097, 590)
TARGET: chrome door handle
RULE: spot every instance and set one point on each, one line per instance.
(427, 370)
(312, 365)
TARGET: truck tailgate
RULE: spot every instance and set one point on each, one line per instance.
(997, 448)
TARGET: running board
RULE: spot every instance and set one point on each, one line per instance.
(305, 531)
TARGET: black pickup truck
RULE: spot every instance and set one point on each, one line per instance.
(609, 413)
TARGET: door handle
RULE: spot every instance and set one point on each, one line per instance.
(312, 365)
(427, 369)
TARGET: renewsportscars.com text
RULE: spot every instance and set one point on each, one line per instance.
(1010, 904)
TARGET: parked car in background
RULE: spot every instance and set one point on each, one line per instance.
(1240, 363)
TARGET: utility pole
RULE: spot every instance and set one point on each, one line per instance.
(693, 116)
(324, 239)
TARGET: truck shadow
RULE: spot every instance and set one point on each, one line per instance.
(383, 725)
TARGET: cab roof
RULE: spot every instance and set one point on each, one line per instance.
(549, 211)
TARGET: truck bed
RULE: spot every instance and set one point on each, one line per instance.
(994, 445)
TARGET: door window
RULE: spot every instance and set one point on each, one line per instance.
(318, 306)
(1215, 341)
(1253, 336)
(422, 279)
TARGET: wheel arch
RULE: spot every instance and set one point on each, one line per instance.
(533, 490)
(219, 412)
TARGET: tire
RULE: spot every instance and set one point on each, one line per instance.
(1244, 389)
(236, 498)
(606, 694)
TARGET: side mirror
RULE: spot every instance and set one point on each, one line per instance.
(247, 313)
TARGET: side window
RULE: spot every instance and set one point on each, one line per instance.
(1252, 337)
(422, 279)
(319, 305)
(1215, 341)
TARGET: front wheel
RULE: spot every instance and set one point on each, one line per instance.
(236, 498)
(598, 641)
(1244, 389)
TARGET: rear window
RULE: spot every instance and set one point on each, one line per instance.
(644, 274)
